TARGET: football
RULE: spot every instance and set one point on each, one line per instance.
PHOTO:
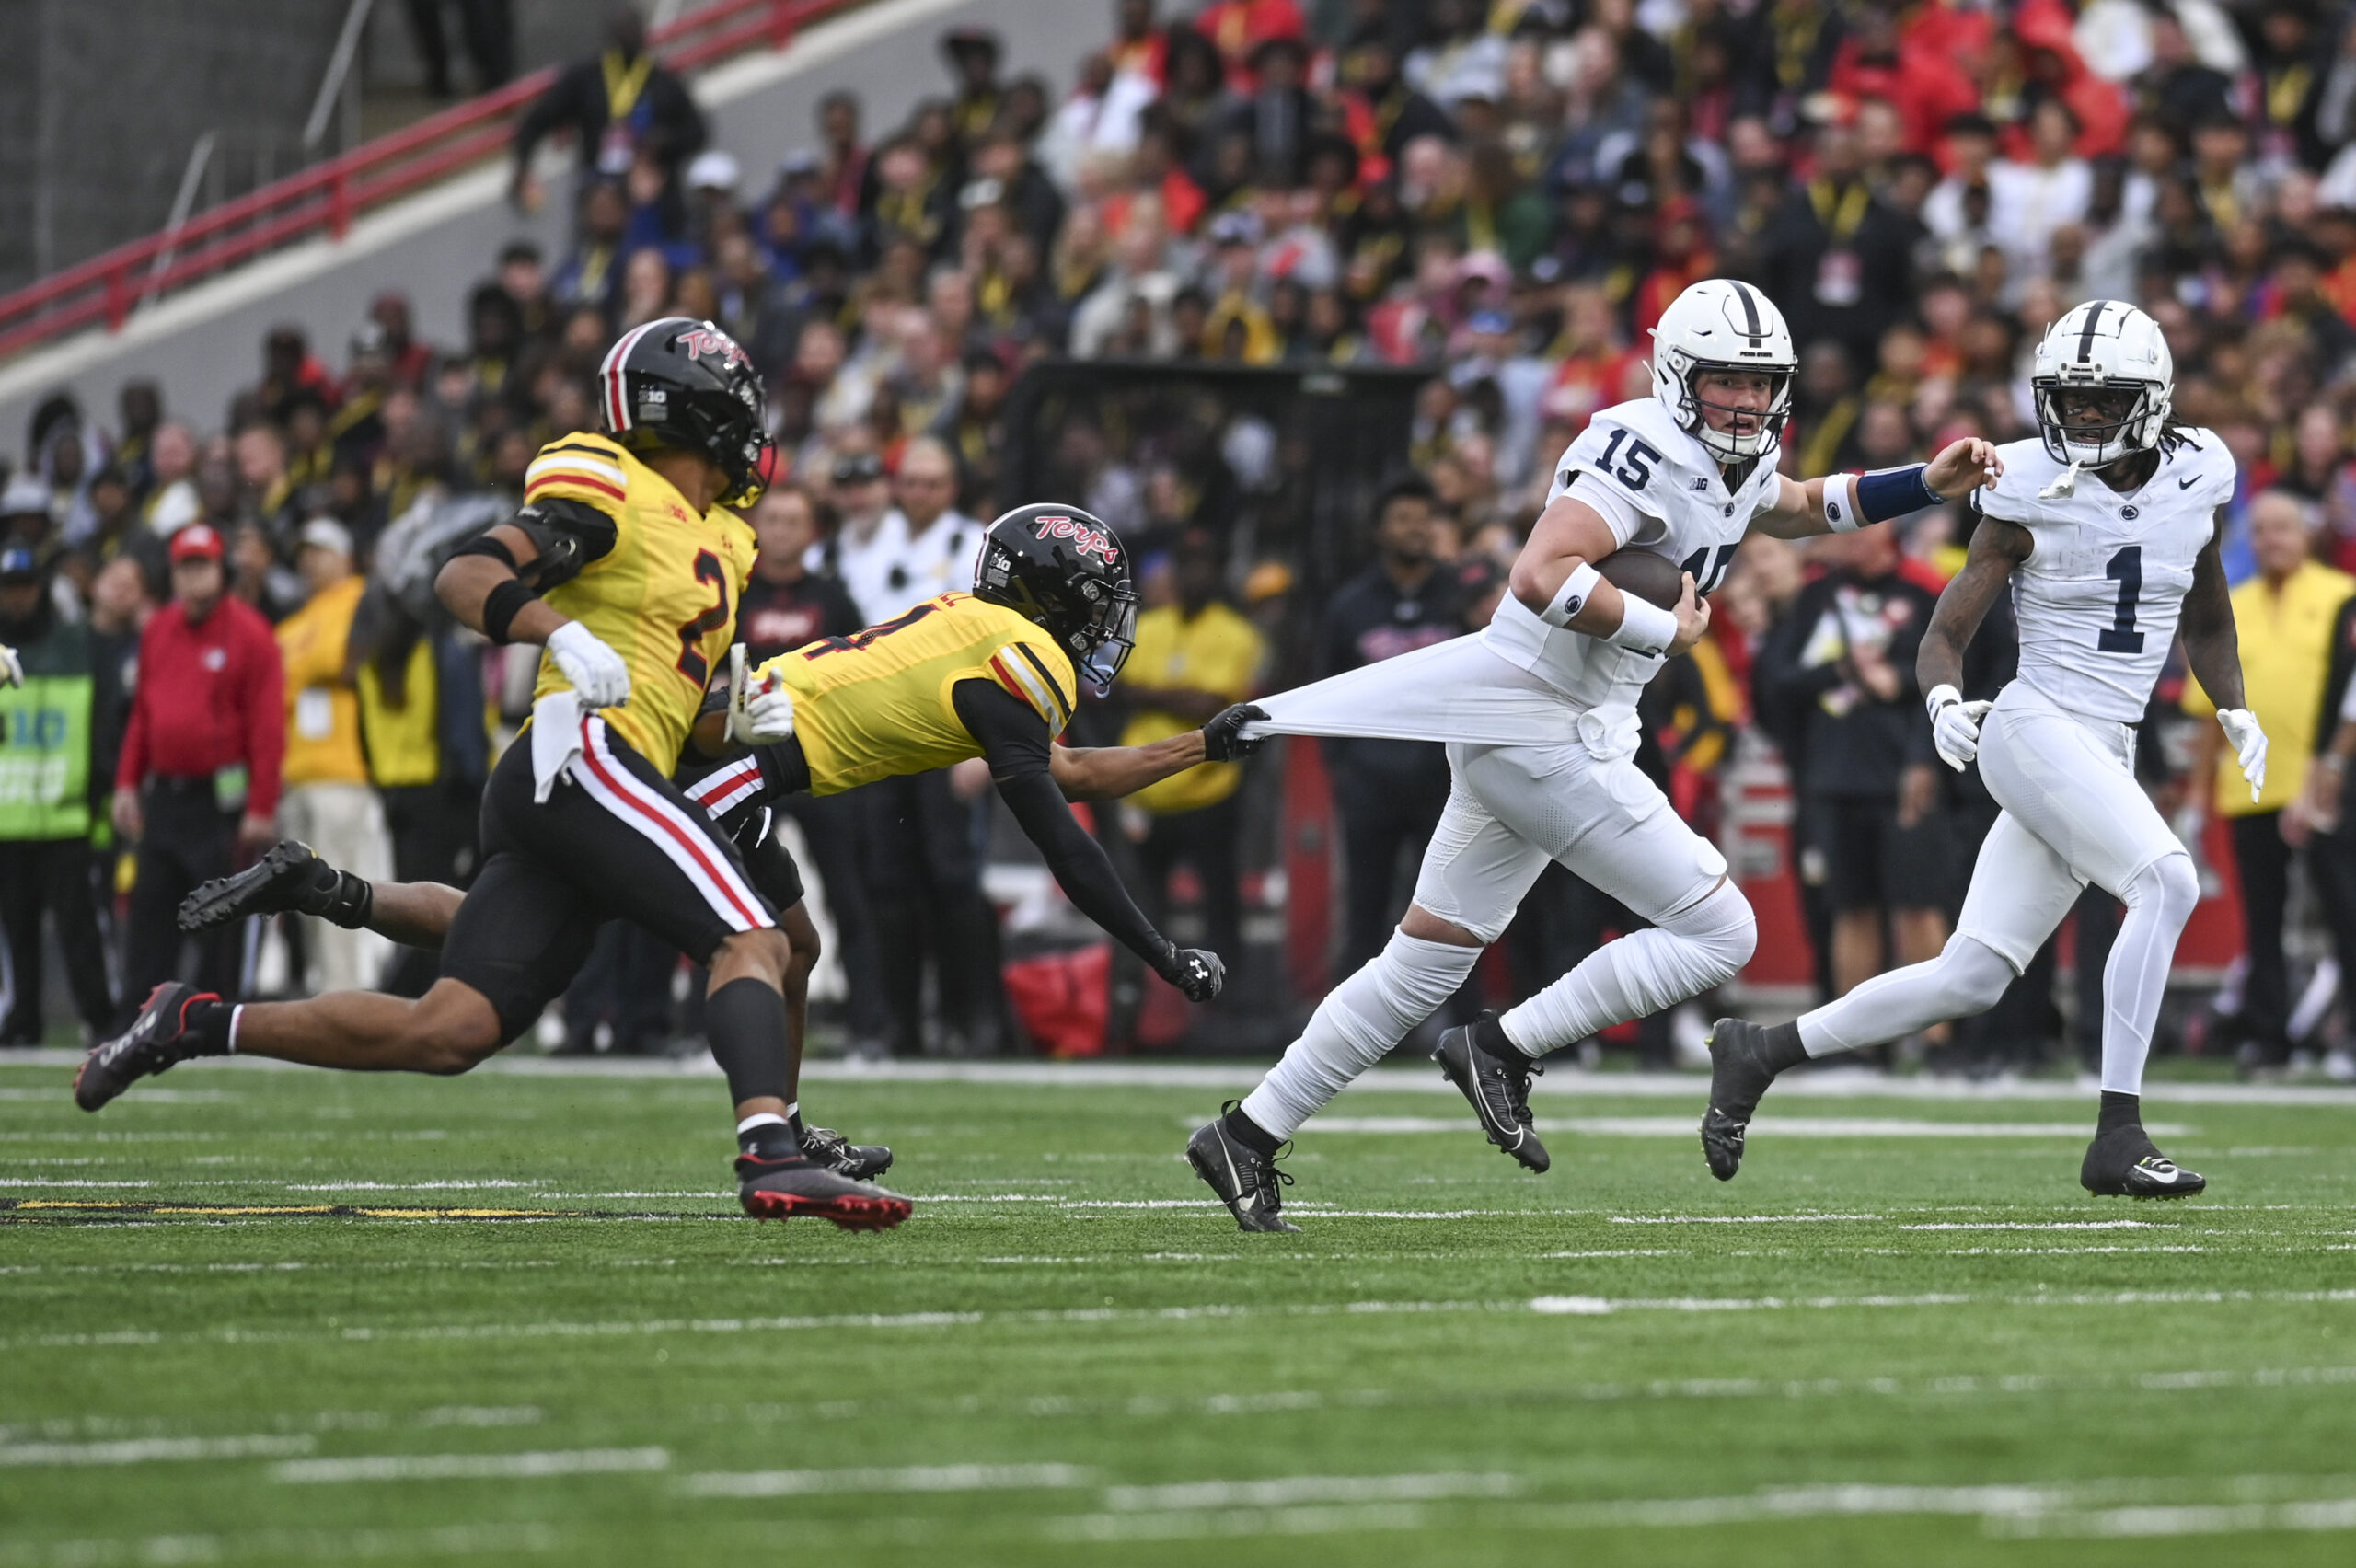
(1653, 578)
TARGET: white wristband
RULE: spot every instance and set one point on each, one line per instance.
(1572, 597)
(1643, 626)
(1840, 513)
(1938, 697)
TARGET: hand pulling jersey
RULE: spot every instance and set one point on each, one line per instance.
(2098, 598)
(663, 597)
(1687, 513)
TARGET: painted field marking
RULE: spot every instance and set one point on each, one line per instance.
(1288, 1491)
(910, 1478)
(1786, 1127)
(472, 1467)
(153, 1450)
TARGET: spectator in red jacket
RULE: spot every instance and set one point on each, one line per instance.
(197, 786)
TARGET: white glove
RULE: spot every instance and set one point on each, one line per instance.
(596, 672)
(768, 712)
(1955, 725)
(12, 669)
(2249, 745)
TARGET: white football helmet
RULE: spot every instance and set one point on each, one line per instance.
(2104, 345)
(1719, 324)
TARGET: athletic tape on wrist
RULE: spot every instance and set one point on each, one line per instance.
(1572, 597)
(1840, 503)
(1643, 626)
(1938, 697)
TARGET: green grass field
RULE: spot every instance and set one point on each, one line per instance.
(1877, 1346)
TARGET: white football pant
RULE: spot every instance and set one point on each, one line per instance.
(2073, 815)
(1511, 810)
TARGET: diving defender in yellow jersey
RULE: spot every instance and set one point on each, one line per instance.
(991, 674)
(625, 565)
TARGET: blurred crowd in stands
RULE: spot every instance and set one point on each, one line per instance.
(1504, 196)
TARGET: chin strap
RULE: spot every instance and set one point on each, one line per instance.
(2065, 486)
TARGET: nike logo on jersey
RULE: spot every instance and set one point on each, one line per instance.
(2187, 484)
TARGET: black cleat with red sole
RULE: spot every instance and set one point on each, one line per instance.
(157, 1040)
(798, 1188)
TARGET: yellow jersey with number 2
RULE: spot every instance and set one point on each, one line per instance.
(876, 704)
(664, 597)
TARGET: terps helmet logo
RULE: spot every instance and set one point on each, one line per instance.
(1087, 541)
(704, 340)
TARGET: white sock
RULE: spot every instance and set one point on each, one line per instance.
(2159, 901)
(1968, 977)
(1688, 952)
(1355, 1026)
(237, 1017)
(760, 1119)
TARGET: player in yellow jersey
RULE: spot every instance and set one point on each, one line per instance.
(992, 673)
(625, 564)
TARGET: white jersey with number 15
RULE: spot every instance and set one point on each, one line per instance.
(1652, 473)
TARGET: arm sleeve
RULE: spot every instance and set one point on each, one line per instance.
(568, 534)
(1014, 738)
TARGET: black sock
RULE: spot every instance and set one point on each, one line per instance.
(745, 1020)
(1249, 1132)
(208, 1021)
(1780, 1047)
(351, 901)
(1489, 1033)
(770, 1140)
(2118, 1111)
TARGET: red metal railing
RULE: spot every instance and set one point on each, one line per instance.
(325, 198)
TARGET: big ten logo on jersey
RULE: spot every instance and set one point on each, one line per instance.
(1087, 541)
(704, 340)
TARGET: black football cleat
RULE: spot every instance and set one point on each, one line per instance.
(2123, 1163)
(798, 1187)
(1499, 1087)
(1246, 1180)
(157, 1040)
(289, 879)
(1739, 1076)
(861, 1162)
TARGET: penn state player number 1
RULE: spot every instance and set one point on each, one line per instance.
(2126, 568)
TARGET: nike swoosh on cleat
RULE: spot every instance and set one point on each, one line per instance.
(2170, 1175)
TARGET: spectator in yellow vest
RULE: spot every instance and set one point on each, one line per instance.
(1193, 658)
(328, 801)
(2284, 617)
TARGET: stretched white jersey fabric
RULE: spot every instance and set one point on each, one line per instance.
(2098, 598)
(1522, 682)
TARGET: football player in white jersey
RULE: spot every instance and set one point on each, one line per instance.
(2107, 529)
(1684, 474)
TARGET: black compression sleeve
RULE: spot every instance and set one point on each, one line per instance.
(1009, 730)
(1080, 866)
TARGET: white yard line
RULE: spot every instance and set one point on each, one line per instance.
(912, 1478)
(153, 1450)
(473, 1467)
(319, 1546)
(1231, 1077)
(1765, 1126)
(1288, 1491)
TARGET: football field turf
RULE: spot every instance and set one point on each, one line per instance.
(271, 1316)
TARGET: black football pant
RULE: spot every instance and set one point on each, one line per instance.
(924, 884)
(52, 874)
(1208, 842)
(2264, 861)
(190, 839)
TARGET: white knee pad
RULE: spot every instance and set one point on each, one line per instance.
(1721, 930)
(2169, 884)
(1355, 1026)
(1974, 976)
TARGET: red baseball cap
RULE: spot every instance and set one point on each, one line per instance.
(196, 540)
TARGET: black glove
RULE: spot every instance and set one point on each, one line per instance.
(1196, 971)
(1220, 741)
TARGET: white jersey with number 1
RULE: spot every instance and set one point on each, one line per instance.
(1662, 491)
(2099, 595)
